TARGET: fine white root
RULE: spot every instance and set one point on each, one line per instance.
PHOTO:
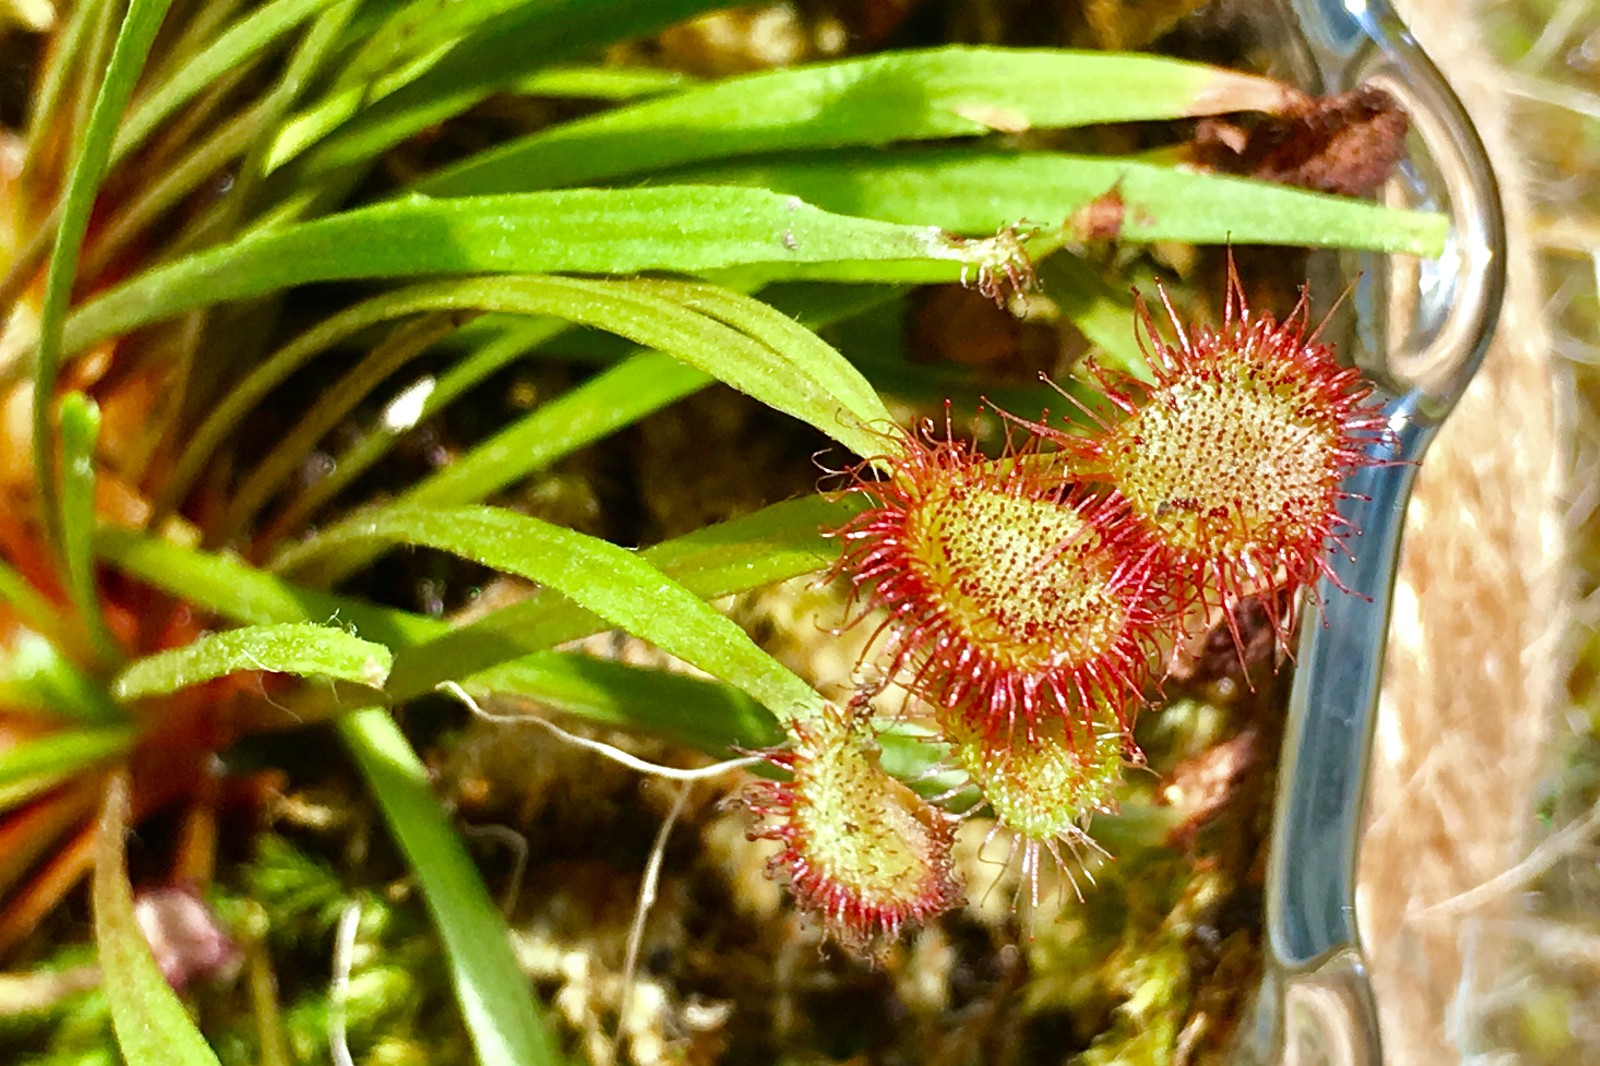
(344, 946)
(615, 754)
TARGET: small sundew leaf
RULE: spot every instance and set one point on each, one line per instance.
(976, 192)
(613, 583)
(292, 648)
(151, 1025)
(598, 231)
(948, 92)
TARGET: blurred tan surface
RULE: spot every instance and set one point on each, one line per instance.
(1474, 668)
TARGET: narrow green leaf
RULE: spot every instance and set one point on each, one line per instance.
(923, 95)
(36, 677)
(289, 451)
(151, 1025)
(29, 607)
(804, 362)
(603, 83)
(615, 398)
(977, 192)
(290, 648)
(803, 378)
(707, 715)
(241, 43)
(30, 767)
(244, 395)
(138, 30)
(772, 545)
(599, 231)
(416, 31)
(607, 402)
(495, 999)
(533, 35)
(232, 588)
(436, 394)
(80, 429)
(613, 583)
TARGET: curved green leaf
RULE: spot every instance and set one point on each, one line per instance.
(151, 1025)
(495, 55)
(599, 231)
(30, 767)
(923, 95)
(692, 711)
(613, 583)
(495, 999)
(774, 544)
(137, 32)
(242, 42)
(37, 677)
(976, 192)
(763, 354)
(80, 429)
(292, 648)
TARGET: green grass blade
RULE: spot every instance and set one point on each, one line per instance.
(33, 610)
(804, 361)
(533, 35)
(498, 351)
(775, 544)
(495, 999)
(151, 1025)
(37, 678)
(691, 711)
(290, 648)
(976, 192)
(612, 400)
(30, 767)
(615, 398)
(242, 396)
(418, 29)
(80, 429)
(603, 83)
(241, 43)
(613, 583)
(597, 231)
(924, 95)
(138, 30)
(288, 453)
(777, 362)
(232, 588)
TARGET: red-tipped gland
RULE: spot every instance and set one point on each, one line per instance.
(1009, 592)
(1233, 457)
(860, 849)
(1045, 790)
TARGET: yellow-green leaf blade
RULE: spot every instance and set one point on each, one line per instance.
(290, 648)
(151, 1025)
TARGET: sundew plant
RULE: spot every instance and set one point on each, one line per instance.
(365, 359)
